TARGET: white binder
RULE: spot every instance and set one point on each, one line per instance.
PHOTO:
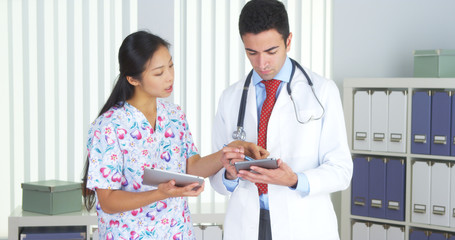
(395, 233)
(397, 121)
(440, 194)
(362, 120)
(377, 232)
(360, 231)
(198, 232)
(421, 174)
(452, 196)
(379, 117)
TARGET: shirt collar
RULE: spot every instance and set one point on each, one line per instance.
(283, 75)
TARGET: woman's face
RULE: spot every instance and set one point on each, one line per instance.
(158, 76)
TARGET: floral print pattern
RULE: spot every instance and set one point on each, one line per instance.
(121, 144)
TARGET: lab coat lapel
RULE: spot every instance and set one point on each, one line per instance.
(251, 118)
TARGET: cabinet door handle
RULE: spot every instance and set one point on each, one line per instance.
(439, 210)
(393, 205)
(376, 203)
(360, 135)
(419, 208)
(440, 139)
(360, 201)
(420, 138)
(378, 137)
(395, 137)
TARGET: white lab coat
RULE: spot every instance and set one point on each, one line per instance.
(319, 149)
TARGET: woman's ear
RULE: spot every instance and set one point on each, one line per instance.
(132, 81)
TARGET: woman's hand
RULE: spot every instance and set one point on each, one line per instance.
(230, 155)
(170, 190)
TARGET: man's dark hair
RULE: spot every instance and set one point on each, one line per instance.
(262, 15)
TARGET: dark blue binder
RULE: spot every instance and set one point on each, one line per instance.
(453, 127)
(376, 187)
(417, 234)
(421, 122)
(437, 236)
(395, 189)
(359, 187)
(440, 123)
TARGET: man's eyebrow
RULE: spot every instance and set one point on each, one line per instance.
(271, 49)
(267, 50)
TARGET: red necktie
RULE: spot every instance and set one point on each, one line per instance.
(270, 87)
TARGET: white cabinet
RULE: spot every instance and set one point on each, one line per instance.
(20, 219)
(379, 150)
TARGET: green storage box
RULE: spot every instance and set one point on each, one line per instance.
(51, 197)
(434, 63)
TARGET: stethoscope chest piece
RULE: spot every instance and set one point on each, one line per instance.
(240, 134)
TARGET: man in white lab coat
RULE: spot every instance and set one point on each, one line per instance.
(306, 133)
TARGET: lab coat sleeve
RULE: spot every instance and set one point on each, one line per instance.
(335, 164)
(219, 138)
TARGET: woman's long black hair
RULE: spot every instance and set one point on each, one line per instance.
(134, 53)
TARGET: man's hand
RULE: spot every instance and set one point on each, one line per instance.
(283, 175)
(251, 149)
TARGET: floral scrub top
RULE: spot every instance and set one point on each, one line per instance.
(121, 144)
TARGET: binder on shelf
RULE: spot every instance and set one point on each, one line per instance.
(441, 122)
(60, 233)
(376, 187)
(452, 196)
(377, 232)
(440, 194)
(360, 230)
(418, 234)
(395, 189)
(452, 151)
(438, 236)
(359, 187)
(397, 121)
(421, 122)
(362, 120)
(395, 233)
(421, 176)
(379, 117)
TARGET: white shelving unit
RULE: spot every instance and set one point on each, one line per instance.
(20, 219)
(410, 84)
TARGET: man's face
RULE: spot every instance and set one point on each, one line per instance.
(266, 52)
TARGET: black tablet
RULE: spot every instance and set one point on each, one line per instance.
(153, 177)
(269, 163)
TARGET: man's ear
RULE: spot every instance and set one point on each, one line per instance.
(132, 81)
(288, 42)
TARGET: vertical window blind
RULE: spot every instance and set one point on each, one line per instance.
(60, 63)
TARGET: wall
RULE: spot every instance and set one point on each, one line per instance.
(157, 16)
(377, 38)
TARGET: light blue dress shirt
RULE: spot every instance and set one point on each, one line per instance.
(302, 184)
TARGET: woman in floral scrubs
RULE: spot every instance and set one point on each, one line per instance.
(135, 130)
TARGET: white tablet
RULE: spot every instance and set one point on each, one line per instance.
(153, 177)
(269, 163)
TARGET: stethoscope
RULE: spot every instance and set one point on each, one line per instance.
(240, 133)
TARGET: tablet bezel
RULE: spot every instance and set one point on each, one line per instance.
(154, 177)
(268, 163)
